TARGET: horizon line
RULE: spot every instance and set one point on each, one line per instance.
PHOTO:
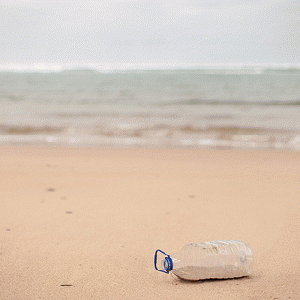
(109, 67)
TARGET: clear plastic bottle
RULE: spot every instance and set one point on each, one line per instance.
(216, 259)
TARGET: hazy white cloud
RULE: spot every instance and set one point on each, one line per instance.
(126, 30)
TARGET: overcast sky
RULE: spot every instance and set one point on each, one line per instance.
(137, 32)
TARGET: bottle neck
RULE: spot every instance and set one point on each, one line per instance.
(168, 264)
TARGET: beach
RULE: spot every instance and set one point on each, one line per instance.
(84, 222)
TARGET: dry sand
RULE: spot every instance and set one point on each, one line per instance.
(84, 223)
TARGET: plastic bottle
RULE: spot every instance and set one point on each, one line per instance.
(216, 259)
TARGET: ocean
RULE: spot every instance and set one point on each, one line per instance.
(215, 107)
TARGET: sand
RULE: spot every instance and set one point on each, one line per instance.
(79, 223)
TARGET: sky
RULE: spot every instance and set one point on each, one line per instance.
(138, 33)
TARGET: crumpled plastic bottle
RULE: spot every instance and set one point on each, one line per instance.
(209, 260)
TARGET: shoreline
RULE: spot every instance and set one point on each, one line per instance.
(189, 138)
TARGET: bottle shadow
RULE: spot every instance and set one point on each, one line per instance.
(206, 281)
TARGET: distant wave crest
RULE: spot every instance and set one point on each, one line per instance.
(237, 102)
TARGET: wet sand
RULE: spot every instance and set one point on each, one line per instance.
(79, 223)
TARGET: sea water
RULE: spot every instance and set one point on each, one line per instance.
(205, 107)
